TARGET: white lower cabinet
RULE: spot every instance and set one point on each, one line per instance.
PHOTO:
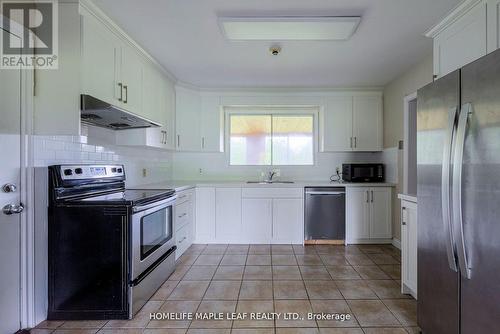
(409, 248)
(288, 222)
(184, 220)
(249, 215)
(257, 219)
(205, 215)
(368, 215)
(228, 214)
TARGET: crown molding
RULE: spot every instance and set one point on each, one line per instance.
(454, 15)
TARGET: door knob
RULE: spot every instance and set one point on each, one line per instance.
(9, 188)
(11, 209)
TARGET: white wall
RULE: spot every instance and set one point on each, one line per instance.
(394, 93)
(97, 145)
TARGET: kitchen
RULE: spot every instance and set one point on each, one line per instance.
(222, 158)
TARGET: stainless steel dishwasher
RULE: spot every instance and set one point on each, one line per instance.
(325, 213)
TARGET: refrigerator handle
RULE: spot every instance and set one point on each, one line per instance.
(445, 188)
(457, 190)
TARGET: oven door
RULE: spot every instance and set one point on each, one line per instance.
(152, 234)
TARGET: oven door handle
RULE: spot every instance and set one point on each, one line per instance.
(148, 271)
(165, 202)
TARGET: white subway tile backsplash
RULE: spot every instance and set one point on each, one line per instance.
(52, 150)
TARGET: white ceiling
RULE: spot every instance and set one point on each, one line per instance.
(183, 35)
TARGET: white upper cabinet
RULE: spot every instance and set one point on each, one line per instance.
(367, 123)
(101, 62)
(199, 121)
(336, 124)
(493, 21)
(466, 34)
(212, 126)
(187, 119)
(159, 105)
(351, 123)
(131, 80)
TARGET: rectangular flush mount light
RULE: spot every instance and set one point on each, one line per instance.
(289, 28)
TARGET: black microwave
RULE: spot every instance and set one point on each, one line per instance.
(363, 172)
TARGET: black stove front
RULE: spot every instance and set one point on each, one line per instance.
(90, 230)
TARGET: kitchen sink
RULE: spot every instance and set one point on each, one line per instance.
(270, 182)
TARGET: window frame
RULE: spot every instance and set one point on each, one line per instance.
(257, 110)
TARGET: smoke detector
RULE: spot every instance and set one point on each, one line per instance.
(275, 50)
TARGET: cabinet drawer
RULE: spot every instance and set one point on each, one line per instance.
(182, 240)
(183, 196)
(181, 215)
(272, 192)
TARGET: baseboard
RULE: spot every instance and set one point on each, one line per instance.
(396, 243)
(324, 242)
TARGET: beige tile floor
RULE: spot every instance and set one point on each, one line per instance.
(362, 281)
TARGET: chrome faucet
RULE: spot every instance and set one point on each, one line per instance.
(270, 176)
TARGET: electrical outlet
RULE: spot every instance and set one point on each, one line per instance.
(200, 171)
(144, 172)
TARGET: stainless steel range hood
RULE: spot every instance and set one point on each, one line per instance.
(102, 114)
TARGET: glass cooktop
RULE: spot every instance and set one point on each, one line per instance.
(136, 196)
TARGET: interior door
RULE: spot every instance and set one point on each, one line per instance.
(10, 220)
(438, 285)
(480, 203)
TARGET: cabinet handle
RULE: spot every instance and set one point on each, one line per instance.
(178, 140)
(182, 196)
(121, 91)
(367, 196)
(182, 239)
(355, 142)
(351, 142)
(203, 142)
(372, 196)
(403, 209)
(126, 93)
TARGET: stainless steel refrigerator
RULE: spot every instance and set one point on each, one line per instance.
(458, 156)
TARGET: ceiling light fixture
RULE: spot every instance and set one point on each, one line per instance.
(289, 28)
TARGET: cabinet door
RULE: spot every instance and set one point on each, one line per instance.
(336, 125)
(205, 215)
(169, 101)
(367, 123)
(412, 247)
(187, 119)
(211, 124)
(257, 220)
(288, 220)
(228, 214)
(100, 61)
(493, 25)
(462, 42)
(380, 213)
(131, 77)
(151, 91)
(357, 222)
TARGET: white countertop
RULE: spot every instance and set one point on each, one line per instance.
(406, 197)
(184, 185)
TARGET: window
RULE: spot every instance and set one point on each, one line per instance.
(271, 139)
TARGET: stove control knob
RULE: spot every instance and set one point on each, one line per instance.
(68, 172)
(113, 170)
(119, 170)
(78, 171)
